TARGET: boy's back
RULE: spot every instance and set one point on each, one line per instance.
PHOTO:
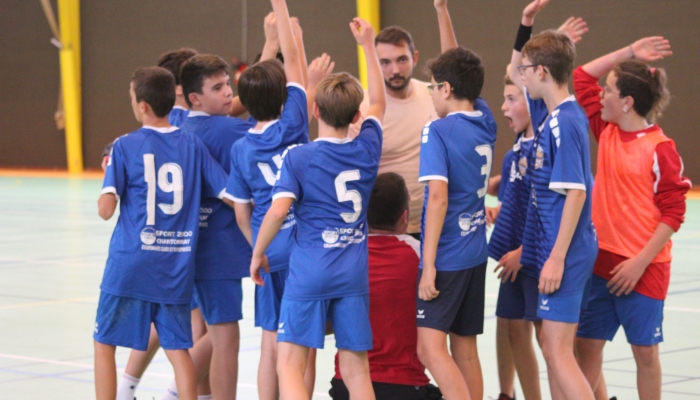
(458, 149)
(222, 250)
(331, 180)
(158, 175)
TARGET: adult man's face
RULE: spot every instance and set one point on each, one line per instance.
(397, 64)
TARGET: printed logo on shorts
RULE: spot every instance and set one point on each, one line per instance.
(421, 314)
(658, 331)
(544, 305)
(96, 327)
(469, 223)
(148, 236)
(280, 328)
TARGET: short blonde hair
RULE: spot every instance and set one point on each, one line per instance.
(553, 50)
(338, 97)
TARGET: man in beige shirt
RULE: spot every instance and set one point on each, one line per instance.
(408, 108)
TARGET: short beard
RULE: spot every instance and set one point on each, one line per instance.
(400, 87)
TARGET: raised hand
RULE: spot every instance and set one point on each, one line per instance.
(651, 48)
(270, 27)
(574, 28)
(532, 9)
(296, 27)
(319, 69)
(363, 31)
(439, 3)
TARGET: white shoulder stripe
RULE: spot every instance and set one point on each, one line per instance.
(281, 195)
(657, 172)
(411, 241)
(432, 178)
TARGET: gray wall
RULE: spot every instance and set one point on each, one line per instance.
(118, 37)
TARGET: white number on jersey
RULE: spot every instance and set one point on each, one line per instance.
(169, 181)
(349, 195)
(486, 151)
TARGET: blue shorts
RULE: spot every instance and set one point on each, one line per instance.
(268, 299)
(640, 316)
(303, 322)
(126, 322)
(518, 300)
(193, 303)
(221, 300)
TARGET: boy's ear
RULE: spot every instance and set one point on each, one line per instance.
(357, 116)
(415, 58)
(446, 90)
(194, 99)
(144, 107)
(317, 113)
(178, 90)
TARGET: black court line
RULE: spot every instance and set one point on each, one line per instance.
(661, 353)
(686, 377)
(683, 291)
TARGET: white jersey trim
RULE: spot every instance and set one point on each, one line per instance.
(296, 85)
(333, 140)
(562, 187)
(432, 178)
(282, 195)
(473, 114)
(375, 120)
(197, 114)
(221, 194)
(411, 241)
(264, 128)
(180, 108)
(236, 199)
(110, 189)
(168, 129)
(657, 172)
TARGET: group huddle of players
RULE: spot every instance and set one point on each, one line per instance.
(207, 199)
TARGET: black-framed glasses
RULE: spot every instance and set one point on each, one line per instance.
(522, 68)
(437, 85)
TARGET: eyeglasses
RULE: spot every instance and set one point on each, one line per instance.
(522, 68)
(437, 85)
(607, 91)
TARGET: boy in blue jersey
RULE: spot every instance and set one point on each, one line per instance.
(559, 213)
(516, 308)
(455, 163)
(173, 62)
(158, 174)
(276, 98)
(223, 253)
(330, 181)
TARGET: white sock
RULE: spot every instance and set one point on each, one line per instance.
(171, 393)
(205, 397)
(127, 387)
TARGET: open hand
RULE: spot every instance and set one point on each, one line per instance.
(255, 264)
(651, 48)
(426, 287)
(574, 28)
(296, 27)
(534, 8)
(626, 275)
(510, 263)
(363, 31)
(270, 26)
(551, 275)
(320, 68)
(492, 215)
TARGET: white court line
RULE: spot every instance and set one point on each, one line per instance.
(90, 366)
(682, 309)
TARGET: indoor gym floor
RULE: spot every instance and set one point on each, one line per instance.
(53, 248)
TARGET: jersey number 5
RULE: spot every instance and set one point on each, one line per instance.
(169, 181)
(344, 194)
(486, 151)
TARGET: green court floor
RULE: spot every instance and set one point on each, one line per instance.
(53, 248)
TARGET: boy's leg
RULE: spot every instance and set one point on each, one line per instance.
(136, 366)
(291, 364)
(201, 354)
(433, 353)
(557, 340)
(354, 367)
(601, 390)
(199, 329)
(310, 373)
(466, 356)
(520, 336)
(590, 359)
(105, 371)
(185, 375)
(223, 373)
(504, 358)
(267, 369)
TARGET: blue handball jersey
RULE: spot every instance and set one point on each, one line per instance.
(159, 176)
(514, 195)
(560, 161)
(255, 161)
(222, 252)
(178, 115)
(458, 149)
(331, 180)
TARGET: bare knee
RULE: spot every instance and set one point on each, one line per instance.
(646, 356)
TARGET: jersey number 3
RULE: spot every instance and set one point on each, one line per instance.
(485, 150)
(341, 190)
(169, 181)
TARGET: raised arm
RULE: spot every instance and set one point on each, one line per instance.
(319, 69)
(292, 66)
(574, 28)
(299, 39)
(272, 42)
(524, 33)
(364, 34)
(646, 49)
(448, 40)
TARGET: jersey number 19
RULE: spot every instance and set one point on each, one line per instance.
(169, 181)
